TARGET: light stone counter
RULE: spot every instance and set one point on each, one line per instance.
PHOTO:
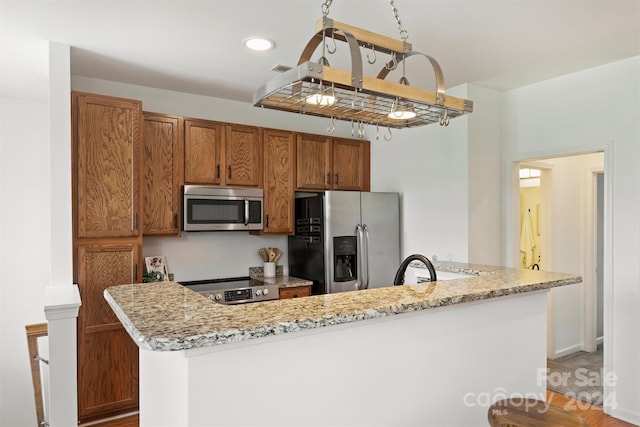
(166, 316)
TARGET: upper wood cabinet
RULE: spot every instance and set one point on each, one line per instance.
(332, 163)
(351, 165)
(202, 151)
(162, 161)
(106, 162)
(243, 156)
(313, 161)
(222, 154)
(279, 167)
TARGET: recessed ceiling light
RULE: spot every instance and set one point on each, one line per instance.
(259, 43)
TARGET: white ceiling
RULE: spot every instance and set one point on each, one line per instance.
(196, 46)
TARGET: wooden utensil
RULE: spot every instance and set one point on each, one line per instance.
(272, 255)
(278, 255)
(263, 254)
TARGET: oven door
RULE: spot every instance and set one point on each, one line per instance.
(221, 212)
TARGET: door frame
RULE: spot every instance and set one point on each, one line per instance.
(589, 326)
(512, 234)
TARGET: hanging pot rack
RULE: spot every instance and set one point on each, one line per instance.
(318, 89)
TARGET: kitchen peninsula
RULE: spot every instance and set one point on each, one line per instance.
(434, 353)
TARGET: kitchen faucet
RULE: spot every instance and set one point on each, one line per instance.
(399, 280)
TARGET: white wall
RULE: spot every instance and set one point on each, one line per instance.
(584, 112)
(24, 248)
(428, 166)
(485, 177)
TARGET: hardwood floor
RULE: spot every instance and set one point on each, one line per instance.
(593, 415)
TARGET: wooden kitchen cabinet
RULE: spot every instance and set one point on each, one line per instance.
(332, 163)
(351, 162)
(279, 172)
(108, 357)
(243, 156)
(203, 141)
(295, 292)
(107, 241)
(106, 162)
(162, 174)
(313, 161)
(222, 154)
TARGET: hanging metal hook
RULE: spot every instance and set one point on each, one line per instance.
(444, 117)
(389, 134)
(333, 39)
(369, 60)
(352, 128)
(355, 98)
(332, 129)
(393, 62)
(360, 129)
(377, 131)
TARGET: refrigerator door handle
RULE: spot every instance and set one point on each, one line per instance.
(365, 255)
(359, 256)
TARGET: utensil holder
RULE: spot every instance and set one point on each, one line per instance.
(269, 269)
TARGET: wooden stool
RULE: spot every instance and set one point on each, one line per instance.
(523, 412)
(33, 333)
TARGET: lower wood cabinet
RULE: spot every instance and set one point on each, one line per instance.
(107, 356)
(295, 292)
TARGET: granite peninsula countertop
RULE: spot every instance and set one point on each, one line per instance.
(166, 316)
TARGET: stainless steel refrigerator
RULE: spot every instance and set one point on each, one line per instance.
(346, 240)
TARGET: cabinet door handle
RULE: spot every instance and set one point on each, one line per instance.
(328, 178)
(229, 171)
(267, 222)
(218, 171)
(337, 179)
(135, 221)
(175, 220)
(135, 273)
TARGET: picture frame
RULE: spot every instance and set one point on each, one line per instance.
(157, 268)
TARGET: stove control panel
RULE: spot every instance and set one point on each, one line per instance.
(235, 291)
(265, 292)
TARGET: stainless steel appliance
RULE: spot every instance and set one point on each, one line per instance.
(235, 290)
(346, 240)
(209, 208)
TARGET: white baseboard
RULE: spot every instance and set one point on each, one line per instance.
(565, 351)
(625, 415)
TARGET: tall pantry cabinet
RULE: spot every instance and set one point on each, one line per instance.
(107, 244)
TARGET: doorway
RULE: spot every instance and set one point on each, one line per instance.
(561, 228)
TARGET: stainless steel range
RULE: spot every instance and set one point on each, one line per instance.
(235, 290)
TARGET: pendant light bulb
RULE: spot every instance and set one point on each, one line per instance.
(401, 111)
(321, 99)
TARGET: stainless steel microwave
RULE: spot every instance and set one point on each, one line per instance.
(209, 208)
